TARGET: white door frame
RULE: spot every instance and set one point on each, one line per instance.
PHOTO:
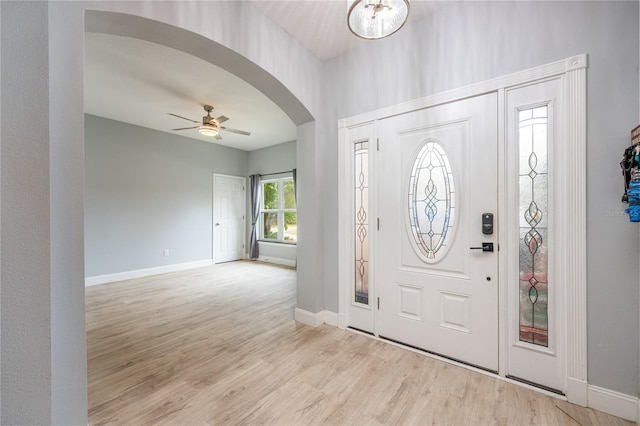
(570, 184)
(213, 214)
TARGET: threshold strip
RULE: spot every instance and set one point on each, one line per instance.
(440, 355)
(535, 385)
(362, 331)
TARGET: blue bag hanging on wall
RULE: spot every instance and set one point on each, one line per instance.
(634, 201)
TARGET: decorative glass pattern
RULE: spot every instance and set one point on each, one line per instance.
(432, 200)
(534, 235)
(361, 196)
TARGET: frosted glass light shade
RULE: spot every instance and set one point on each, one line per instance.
(208, 130)
(373, 19)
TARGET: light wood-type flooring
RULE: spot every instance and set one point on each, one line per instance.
(219, 345)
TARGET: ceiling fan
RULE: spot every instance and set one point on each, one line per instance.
(210, 126)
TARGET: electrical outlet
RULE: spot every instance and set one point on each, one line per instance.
(166, 252)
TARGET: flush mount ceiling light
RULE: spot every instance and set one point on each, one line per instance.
(207, 130)
(373, 19)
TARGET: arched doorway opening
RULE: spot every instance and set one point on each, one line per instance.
(66, 27)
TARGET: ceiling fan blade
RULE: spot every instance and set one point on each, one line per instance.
(218, 137)
(240, 132)
(186, 128)
(184, 118)
(221, 119)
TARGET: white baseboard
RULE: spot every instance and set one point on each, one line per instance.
(577, 392)
(139, 273)
(330, 318)
(615, 403)
(309, 318)
(317, 319)
(277, 260)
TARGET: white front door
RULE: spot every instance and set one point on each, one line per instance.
(228, 218)
(438, 290)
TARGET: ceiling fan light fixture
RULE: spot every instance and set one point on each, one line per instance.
(208, 130)
(375, 19)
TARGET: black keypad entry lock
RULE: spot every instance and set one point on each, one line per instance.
(487, 223)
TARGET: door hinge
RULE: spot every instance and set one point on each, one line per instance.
(378, 144)
(378, 303)
(378, 224)
(243, 246)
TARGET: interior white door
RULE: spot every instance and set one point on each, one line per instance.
(438, 176)
(228, 217)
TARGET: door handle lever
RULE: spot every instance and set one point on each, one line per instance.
(485, 247)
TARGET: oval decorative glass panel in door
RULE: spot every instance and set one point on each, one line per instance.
(432, 202)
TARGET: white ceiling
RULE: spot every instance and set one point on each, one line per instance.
(138, 82)
(321, 25)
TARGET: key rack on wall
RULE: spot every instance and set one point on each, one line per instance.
(630, 165)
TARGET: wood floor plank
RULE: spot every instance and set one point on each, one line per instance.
(219, 345)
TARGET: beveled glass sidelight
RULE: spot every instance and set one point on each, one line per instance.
(533, 223)
(432, 201)
(361, 221)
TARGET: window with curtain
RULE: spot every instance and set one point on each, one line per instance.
(278, 216)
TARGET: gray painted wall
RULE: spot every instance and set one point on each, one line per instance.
(25, 269)
(66, 135)
(276, 158)
(309, 288)
(469, 42)
(147, 190)
(272, 159)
